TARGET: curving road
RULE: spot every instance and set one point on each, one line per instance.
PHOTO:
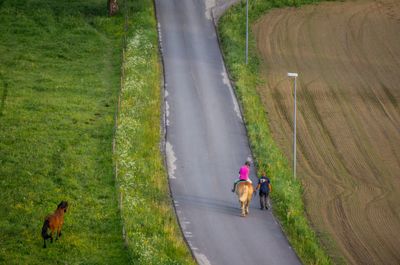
(206, 143)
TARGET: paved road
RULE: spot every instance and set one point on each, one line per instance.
(206, 143)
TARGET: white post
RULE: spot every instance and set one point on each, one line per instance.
(247, 29)
(295, 75)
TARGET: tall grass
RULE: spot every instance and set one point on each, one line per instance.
(287, 192)
(152, 234)
(59, 80)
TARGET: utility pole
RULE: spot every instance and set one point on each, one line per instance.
(247, 30)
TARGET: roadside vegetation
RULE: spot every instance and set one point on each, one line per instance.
(60, 66)
(151, 232)
(287, 191)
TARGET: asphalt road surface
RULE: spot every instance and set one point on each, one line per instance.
(206, 143)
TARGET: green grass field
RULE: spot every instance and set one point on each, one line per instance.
(59, 81)
(60, 69)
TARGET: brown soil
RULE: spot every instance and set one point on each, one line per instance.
(347, 55)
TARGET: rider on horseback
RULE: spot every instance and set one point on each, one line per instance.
(243, 174)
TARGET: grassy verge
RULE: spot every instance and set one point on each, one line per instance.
(59, 80)
(287, 195)
(152, 234)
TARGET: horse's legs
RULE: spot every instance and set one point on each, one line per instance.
(59, 232)
(44, 243)
(247, 208)
(242, 208)
(51, 236)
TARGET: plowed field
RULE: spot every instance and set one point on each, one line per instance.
(347, 55)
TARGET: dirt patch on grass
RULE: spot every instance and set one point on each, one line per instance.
(347, 55)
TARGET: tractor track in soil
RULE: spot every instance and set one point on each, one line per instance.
(347, 55)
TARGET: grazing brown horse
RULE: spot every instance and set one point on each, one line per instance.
(54, 222)
(244, 191)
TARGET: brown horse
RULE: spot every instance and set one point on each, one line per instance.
(54, 222)
(244, 191)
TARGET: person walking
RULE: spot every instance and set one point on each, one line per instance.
(264, 184)
(243, 174)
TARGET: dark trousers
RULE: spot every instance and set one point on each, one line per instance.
(264, 200)
(235, 183)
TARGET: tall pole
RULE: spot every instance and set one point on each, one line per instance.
(247, 29)
(295, 75)
(294, 134)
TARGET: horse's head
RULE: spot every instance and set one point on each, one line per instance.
(63, 205)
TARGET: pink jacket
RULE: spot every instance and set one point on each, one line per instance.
(244, 173)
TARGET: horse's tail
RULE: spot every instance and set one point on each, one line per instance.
(44, 229)
(242, 191)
